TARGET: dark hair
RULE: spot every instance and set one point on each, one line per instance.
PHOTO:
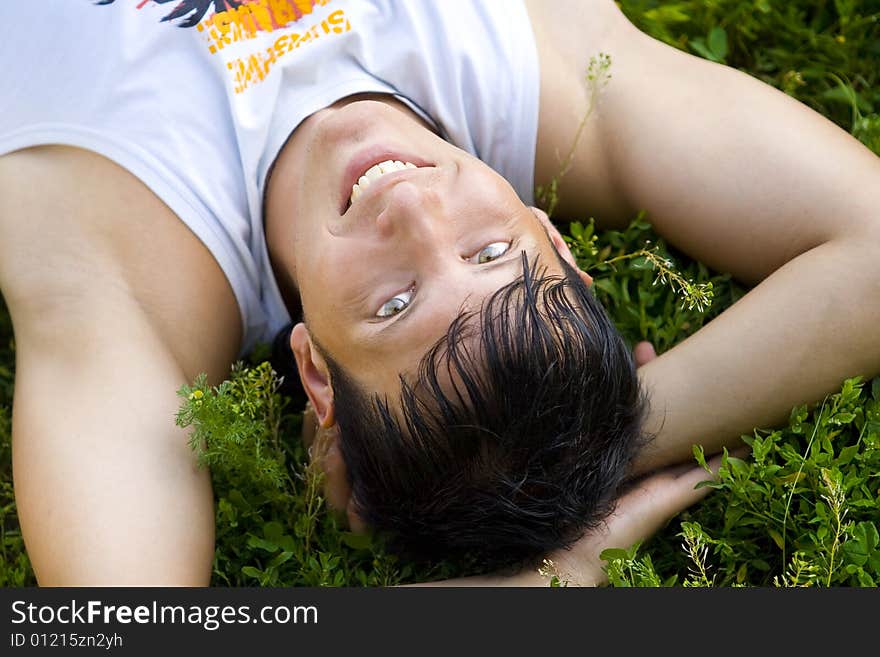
(283, 362)
(525, 448)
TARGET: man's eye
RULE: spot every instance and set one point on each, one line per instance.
(492, 251)
(395, 304)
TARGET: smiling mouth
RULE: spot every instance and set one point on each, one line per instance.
(374, 173)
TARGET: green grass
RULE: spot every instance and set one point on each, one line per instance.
(802, 510)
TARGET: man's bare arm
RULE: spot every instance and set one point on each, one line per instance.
(749, 181)
(115, 304)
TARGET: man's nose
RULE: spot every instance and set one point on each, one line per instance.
(411, 211)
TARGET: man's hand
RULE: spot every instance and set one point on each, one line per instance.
(640, 512)
(647, 505)
(643, 352)
(324, 453)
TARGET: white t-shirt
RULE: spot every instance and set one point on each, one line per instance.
(196, 100)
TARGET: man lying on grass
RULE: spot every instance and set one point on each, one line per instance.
(483, 402)
(391, 239)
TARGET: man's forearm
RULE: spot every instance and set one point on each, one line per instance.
(791, 340)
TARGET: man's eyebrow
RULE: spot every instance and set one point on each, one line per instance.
(392, 329)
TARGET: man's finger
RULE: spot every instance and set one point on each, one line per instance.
(667, 493)
(683, 492)
(355, 522)
(643, 353)
(336, 489)
(327, 458)
(309, 425)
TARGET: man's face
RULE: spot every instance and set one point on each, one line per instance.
(382, 276)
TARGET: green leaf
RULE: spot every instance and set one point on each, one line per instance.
(281, 558)
(848, 96)
(356, 541)
(798, 415)
(610, 554)
(777, 538)
(273, 531)
(718, 43)
(671, 580)
(847, 454)
(842, 418)
(250, 571)
(699, 46)
(606, 285)
(862, 547)
(287, 543)
(668, 14)
(238, 500)
(865, 579)
(262, 544)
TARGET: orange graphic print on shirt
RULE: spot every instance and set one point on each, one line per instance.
(239, 21)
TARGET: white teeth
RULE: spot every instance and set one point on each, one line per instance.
(374, 173)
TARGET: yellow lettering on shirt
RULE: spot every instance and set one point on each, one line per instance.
(253, 68)
(254, 17)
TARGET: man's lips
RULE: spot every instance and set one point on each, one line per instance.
(365, 159)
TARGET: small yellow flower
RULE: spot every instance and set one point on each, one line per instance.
(196, 394)
(840, 38)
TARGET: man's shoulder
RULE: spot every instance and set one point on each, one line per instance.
(573, 38)
(573, 29)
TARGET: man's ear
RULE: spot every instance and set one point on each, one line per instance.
(314, 374)
(559, 243)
